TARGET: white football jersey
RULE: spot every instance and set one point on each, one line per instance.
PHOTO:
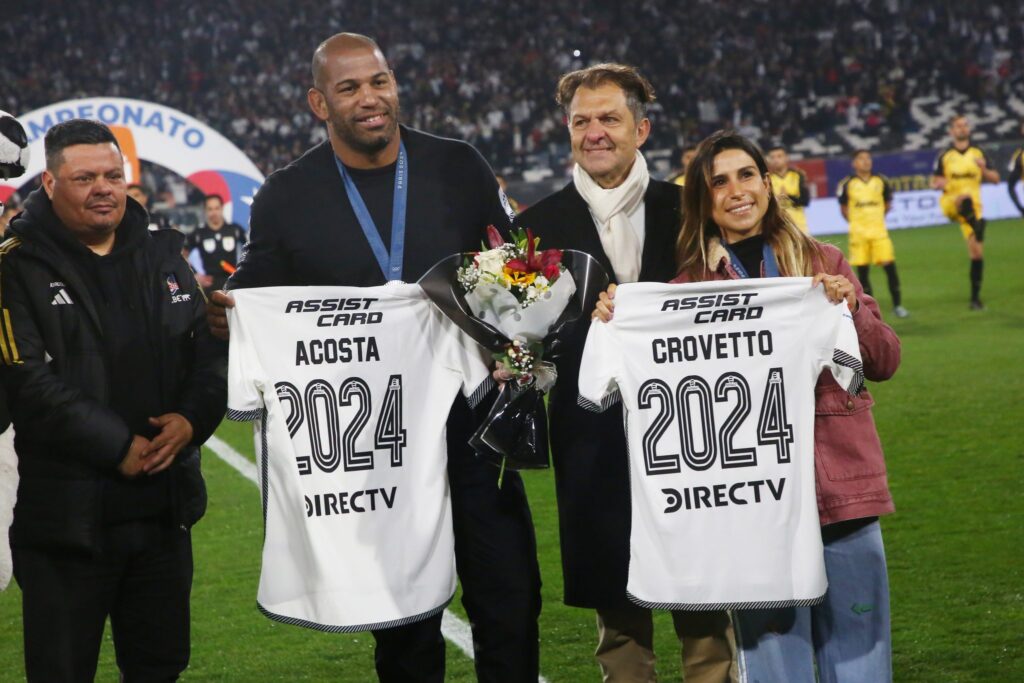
(717, 380)
(351, 388)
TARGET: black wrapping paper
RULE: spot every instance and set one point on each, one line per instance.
(515, 432)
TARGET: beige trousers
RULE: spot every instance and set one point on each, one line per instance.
(625, 648)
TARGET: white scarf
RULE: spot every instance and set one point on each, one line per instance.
(611, 209)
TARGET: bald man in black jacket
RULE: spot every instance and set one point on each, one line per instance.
(305, 230)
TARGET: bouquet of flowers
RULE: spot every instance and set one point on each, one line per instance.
(521, 291)
(516, 267)
(516, 300)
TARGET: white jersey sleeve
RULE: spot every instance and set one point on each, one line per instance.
(463, 356)
(351, 390)
(717, 384)
(842, 348)
(598, 389)
(245, 375)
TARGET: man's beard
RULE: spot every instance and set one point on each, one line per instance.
(94, 233)
(367, 145)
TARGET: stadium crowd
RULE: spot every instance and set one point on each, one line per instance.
(160, 381)
(485, 75)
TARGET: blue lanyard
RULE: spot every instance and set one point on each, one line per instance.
(390, 264)
(771, 267)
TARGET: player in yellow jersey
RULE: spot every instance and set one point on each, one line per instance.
(679, 177)
(1016, 174)
(864, 199)
(789, 185)
(959, 171)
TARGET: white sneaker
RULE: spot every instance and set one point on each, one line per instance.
(901, 312)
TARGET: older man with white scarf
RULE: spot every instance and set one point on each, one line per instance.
(613, 210)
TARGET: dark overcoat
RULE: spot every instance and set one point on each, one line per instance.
(588, 449)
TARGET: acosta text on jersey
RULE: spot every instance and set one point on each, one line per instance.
(341, 350)
(332, 313)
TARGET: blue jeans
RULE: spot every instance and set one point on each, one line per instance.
(847, 634)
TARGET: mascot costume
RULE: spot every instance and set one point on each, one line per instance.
(13, 161)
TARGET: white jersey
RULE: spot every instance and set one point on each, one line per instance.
(351, 389)
(717, 380)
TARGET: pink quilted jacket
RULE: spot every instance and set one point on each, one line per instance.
(849, 465)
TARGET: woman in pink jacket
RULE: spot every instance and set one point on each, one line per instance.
(733, 227)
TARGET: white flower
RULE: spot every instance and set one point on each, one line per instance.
(468, 276)
(491, 261)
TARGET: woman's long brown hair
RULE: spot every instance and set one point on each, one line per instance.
(795, 252)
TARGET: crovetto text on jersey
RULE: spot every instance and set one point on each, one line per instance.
(712, 346)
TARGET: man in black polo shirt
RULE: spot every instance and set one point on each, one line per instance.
(380, 202)
(218, 243)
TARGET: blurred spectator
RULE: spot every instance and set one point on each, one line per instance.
(157, 221)
(482, 71)
(685, 157)
(10, 209)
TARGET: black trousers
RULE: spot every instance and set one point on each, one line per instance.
(142, 580)
(496, 558)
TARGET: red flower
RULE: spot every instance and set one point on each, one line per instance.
(537, 262)
(494, 237)
(550, 257)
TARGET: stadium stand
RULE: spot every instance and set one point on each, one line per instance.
(845, 74)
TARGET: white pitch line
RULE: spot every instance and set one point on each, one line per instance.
(245, 467)
(453, 628)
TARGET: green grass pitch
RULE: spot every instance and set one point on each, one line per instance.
(951, 423)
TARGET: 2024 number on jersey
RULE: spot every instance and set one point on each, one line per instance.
(330, 446)
(693, 403)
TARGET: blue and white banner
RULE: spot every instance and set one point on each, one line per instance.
(157, 134)
(912, 209)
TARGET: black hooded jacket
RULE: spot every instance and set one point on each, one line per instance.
(90, 347)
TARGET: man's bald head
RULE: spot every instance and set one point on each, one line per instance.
(336, 46)
(355, 93)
